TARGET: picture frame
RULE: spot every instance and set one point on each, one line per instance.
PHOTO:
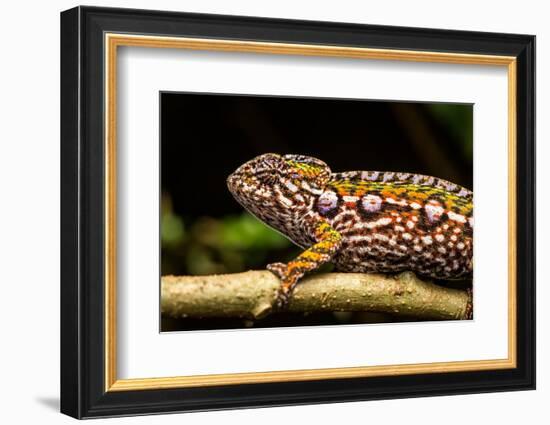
(91, 38)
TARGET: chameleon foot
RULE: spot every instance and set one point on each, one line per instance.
(283, 297)
(281, 271)
(278, 269)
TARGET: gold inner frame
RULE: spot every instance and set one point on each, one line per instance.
(113, 41)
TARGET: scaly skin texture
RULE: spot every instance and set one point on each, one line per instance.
(362, 221)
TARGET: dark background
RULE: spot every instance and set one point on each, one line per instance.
(205, 137)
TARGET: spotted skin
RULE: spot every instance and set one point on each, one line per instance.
(362, 221)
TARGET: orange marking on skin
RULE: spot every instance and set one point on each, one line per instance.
(311, 255)
(323, 229)
(405, 215)
(395, 190)
(342, 191)
(326, 245)
(449, 204)
(417, 196)
(296, 265)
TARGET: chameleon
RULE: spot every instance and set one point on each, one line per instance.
(361, 221)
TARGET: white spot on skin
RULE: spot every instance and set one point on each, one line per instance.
(427, 240)
(371, 203)
(359, 238)
(456, 217)
(439, 237)
(285, 201)
(381, 237)
(399, 228)
(398, 219)
(327, 202)
(410, 224)
(401, 202)
(417, 248)
(463, 192)
(282, 198)
(460, 246)
(388, 177)
(451, 187)
(291, 186)
(457, 230)
(453, 238)
(373, 176)
(308, 188)
(407, 236)
(434, 211)
(415, 205)
(471, 222)
(384, 221)
(350, 199)
(442, 250)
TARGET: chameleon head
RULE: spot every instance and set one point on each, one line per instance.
(272, 183)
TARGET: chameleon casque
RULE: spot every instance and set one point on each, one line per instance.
(362, 221)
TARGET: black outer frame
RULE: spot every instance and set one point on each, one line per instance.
(82, 211)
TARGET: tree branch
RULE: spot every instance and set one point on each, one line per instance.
(252, 295)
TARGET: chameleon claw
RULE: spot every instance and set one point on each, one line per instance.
(278, 269)
(283, 294)
(283, 297)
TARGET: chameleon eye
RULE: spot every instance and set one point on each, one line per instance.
(271, 160)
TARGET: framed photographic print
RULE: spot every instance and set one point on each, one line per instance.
(262, 212)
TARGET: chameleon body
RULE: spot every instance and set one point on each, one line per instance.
(362, 221)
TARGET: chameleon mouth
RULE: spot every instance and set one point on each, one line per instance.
(237, 177)
(232, 182)
(237, 182)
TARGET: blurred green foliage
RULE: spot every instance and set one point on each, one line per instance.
(172, 229)
(247, 232)
(207, 245)
(458, 120)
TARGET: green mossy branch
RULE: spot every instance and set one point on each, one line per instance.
(252, 295)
